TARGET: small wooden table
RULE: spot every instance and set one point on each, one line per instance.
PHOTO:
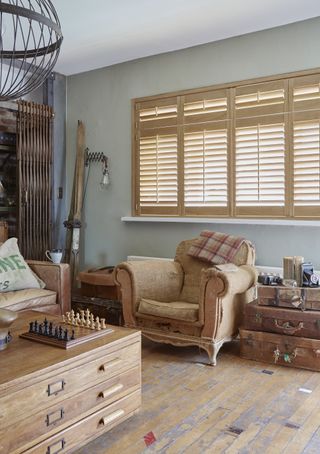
(54, 400)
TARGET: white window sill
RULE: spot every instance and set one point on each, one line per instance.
(185, 220)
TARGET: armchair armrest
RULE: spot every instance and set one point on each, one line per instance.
(153, 279)
(236, 281)
(223, 296)
(57, 278)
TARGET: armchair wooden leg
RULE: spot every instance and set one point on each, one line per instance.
(213, 350)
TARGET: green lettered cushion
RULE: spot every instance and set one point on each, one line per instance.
(15, 274)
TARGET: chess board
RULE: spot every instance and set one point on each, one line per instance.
(81, 335)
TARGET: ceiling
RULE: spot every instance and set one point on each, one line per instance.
(100, 33)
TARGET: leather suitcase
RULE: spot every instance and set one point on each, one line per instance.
(281, 321)
(279, 349)
(303, 298)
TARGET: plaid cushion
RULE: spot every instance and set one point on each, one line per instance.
(216, 247)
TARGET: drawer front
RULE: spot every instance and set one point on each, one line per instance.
(89, 428)
(46, 422)
(288, 351)
(32, 399)
(282, 321)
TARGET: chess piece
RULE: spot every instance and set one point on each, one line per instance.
(103, 323)
(40, 328)
(73, 320)
(31, 327)
(56, 332)
(45, 329)
(92, 324)
(60, 332)
(36, 326)
(97, 324)
(72, 335)
(68, 318)
(65, 337)
(77, 320)
(64, 320)
(82, 323)
(87, 314)
(50, 328)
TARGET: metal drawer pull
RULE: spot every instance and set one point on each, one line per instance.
(110, 391)
(112, 363)
(287, 357)
(287, 327)
(108, 419)
(56, 387)
(54, 417)
(56, 447)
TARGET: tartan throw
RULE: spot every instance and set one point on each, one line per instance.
(216, 247)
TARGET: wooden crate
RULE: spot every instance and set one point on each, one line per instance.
(280, 349)
(281, 320)
(302, 298)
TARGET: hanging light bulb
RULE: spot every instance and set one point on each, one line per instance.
(105, 180)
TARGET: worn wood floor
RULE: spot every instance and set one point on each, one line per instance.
(239, 406)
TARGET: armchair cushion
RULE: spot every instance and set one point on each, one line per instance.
(29, 299)
(177, 310)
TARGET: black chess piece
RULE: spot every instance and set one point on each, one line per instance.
(65, 337)
(72, 335)
(50, 329)
(40, 328)
(36, 326)
(56, 332)
(60, 332)
(31, 327)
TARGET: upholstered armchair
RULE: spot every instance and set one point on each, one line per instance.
(187, 301)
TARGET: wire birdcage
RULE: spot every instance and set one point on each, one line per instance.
(30, 41)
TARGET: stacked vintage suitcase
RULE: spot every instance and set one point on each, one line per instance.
(283, 327)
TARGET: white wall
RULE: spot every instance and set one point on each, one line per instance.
(102, 99)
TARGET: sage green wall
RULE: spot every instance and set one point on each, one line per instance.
(102, 99)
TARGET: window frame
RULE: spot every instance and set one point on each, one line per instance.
(289, 212)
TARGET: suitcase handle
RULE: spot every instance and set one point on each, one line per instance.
(286, 356)
(287, 327)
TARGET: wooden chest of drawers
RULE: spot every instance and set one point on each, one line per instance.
(54, 400)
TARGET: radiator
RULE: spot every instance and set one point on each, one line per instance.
(260, 268)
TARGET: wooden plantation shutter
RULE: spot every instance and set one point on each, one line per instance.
(240, 150)
(206, 153)
(306, 146)
(157, 157)
(260, 150)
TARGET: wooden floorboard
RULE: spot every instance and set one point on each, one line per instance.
(237, 407)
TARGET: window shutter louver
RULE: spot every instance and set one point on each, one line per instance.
(158, 172)
(306, 165)
(157, 157)
(206, 153)
(260, 149)
(206, 171)
(260, 164)
(306, 146)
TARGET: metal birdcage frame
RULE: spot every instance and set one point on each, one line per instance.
(30, 41)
